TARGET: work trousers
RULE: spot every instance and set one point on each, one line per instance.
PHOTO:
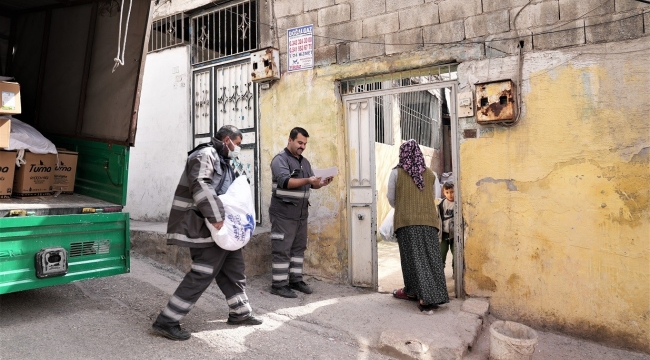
(446, 244)
(208, 264)
(288, 244)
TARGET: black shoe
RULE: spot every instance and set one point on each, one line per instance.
(283, 291)
(428, 307)
(301, 286)
(251, 320)
(171, 332)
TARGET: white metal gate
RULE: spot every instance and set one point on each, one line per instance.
(225, 95)
(367, 118)
(361, 204)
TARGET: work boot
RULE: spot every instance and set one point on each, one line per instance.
(301, 286)
(251, 320)
(171, 332)
(283, 291)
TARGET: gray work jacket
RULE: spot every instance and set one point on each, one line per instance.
(287, 203)
(207, 174)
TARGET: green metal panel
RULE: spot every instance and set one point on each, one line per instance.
(97, 244)
(102, 169)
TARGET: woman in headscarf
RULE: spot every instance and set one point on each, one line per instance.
(417, 222)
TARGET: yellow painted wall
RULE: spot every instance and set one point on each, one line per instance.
(311, 99)
(557, 207)
(557, 227)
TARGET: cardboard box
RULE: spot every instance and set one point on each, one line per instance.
(10, 98)
(7, 169)
(5, 131)
(36, 176)
(65, 171)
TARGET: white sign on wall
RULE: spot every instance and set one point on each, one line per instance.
(300, 45)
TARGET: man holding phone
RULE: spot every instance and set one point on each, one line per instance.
(293, 179)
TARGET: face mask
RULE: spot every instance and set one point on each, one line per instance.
(233, 154)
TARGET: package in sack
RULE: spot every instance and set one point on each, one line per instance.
(239, 223)
(386, 229)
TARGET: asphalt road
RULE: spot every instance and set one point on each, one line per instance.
(110, 318)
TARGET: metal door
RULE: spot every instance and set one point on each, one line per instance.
(361, 197)
(224, 94)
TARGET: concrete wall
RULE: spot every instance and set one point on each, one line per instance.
(162, 139)
(556, 207)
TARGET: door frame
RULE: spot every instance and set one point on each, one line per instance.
(455, 159)
(373, 206)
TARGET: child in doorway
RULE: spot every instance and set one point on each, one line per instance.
(446, 210)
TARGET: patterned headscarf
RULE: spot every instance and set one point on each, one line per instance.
(412, 161)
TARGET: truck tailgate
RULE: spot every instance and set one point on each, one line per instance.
(96, 245)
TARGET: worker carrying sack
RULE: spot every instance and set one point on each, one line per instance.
(239, 224)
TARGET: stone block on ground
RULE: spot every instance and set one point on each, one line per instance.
(468, 326)
(407, 346)
(476, 306)
(153, 244)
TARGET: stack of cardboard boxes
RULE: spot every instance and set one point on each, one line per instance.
(41, 175)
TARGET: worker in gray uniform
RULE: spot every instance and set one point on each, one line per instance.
(293, 180)
(208, 173)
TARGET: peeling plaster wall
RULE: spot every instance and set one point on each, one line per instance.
(556, 208)
(557, 211)
(311, 99)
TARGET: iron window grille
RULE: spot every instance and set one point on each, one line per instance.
(226, 31)
(420, 111)
(168, 32)
(400, 79)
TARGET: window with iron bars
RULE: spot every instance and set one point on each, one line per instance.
(420, 112)
(226, 31)
(170, 31)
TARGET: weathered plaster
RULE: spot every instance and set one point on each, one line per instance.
(311, 99)
(557, 210)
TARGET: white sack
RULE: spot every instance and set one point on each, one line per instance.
(25, 137)
(387, 226)
(239, 224)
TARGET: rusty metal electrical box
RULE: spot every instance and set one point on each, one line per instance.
(265, 65)
(495, 102)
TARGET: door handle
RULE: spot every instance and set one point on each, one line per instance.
(360, 217)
